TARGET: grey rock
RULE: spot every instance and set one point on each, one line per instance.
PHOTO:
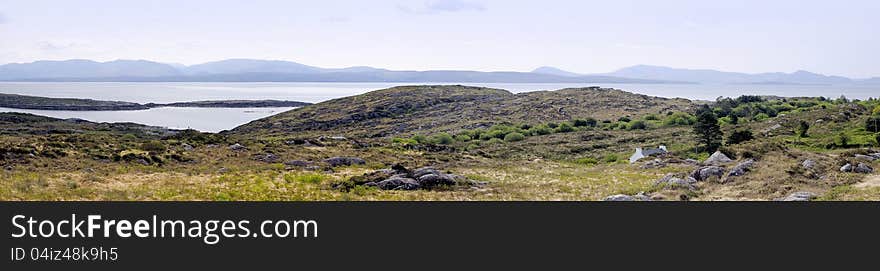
(222, 170)
(863, 168)
(800, 196)
(397, 183)
(267, 158)
(433, 180)
(847, 168)
(297, 163)
(808, 164)
(237, 147)
(718, 158)
(671, 182)
(741, 168)
(419, 172)
(619, 197)
(344, 161)
(866, 158)
(187, 147)
(706, 173)
(875, 155)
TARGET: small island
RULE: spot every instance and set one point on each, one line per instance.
(45, 103)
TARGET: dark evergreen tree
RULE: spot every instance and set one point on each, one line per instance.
(707, 129)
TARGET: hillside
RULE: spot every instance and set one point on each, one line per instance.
(424, 109)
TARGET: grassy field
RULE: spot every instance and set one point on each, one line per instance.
(580, 157)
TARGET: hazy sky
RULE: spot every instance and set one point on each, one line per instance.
(832, 37)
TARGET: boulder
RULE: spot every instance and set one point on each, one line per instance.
(717, 158)
(866, 158)
(846, 168)
(875, 155)
(419, 172)
(396, 183)
(671, 182)
(808, 164)
(741, 168)
(863, 168)
(237, 147)
(619, 197)
(706, 173)
(297, 163)
(800, 196)
(187, 147)
(344, 161)
(267, 158)
(433, 180)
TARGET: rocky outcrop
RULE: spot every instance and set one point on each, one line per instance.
(237, 147)
(707, 173)
(344, 161)
(863, 168)
(717, 158)
(808, 164)
(267, 158)
(673, 182)
(866, 158)
(401, 178)
(846, 168)
(800, 196)
(741, 168)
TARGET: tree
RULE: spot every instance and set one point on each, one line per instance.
(707, 129)
(739, 136)
(802, 129)
(872, 124)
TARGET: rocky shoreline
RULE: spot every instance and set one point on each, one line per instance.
(69, 104)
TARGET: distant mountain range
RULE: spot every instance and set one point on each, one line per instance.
(253, 70)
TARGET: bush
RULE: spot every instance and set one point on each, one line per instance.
(802, 129)
(154, 147)
(305, 178)
(495, 141)
(463, 138)
(564, 127)
(611, 158)
(513, 137)
(419, 139)
(624, 119)
(552, 125)
(589, 122)
(739, 136)
(442, 139)
(877, 138)
(652, 117)
(586, 161)
(761, 116)
(540, 130)
(638, 125)
(876, 111)
(680, 119)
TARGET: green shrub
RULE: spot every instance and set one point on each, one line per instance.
(513, 137)
(624, 119)
(586, 161)
(540, 130)
(442, 139)
(552, 125)
(154, 147)
(637, 125)
(495, 141)
(403, 141)
(589, 122)
(680, 119)
(564, 127)
(876, 111)
(463, 138)
(652, 117)
(419, 139)
(761, 116)
(802, 129)
(737, 137)
(610, 158)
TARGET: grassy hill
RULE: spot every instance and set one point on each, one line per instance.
(430, 109)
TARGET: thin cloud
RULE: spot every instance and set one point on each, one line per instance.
(3, 19)
(442, 6)
(56, 46)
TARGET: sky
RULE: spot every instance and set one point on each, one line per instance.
(830, 37)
